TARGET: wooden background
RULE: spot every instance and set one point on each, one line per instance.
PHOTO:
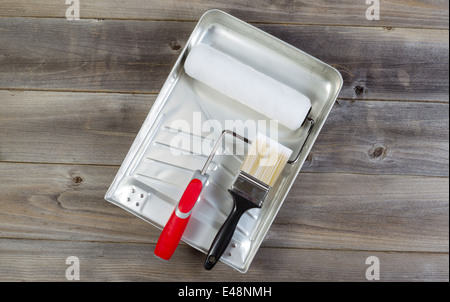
(73, 95)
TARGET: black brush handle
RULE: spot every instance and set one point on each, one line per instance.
(223, 237)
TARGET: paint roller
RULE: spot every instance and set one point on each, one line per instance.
(248, 86)
(253, 89)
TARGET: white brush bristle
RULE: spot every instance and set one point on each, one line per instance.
(266, 159)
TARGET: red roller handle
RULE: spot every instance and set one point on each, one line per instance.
(174, 228)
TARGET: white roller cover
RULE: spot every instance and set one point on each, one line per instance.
(247, 85)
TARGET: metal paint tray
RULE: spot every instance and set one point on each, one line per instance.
(152, 178)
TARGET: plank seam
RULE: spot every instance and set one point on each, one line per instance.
(250, 22)
(15, 89)
(262, 247)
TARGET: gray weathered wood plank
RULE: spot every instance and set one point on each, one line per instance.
(131, 56)
(378, 63)
(364, 212)
(326, 211)
(383, 138)
(32, 260)
(137, 56)
(399, 13)
(98, 128)
(88, 128)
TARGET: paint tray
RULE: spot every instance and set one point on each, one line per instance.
(188, 116)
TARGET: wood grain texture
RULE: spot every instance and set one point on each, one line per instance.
(378, 63)
(84, 128)
(364, 212)
(74, 94)
(98, 128)
(397, 13)
(326, 211)
(383, 138)
(137, 56)
(136, 262)
(92, 55)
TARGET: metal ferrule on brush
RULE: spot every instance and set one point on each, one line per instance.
(250, 188)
